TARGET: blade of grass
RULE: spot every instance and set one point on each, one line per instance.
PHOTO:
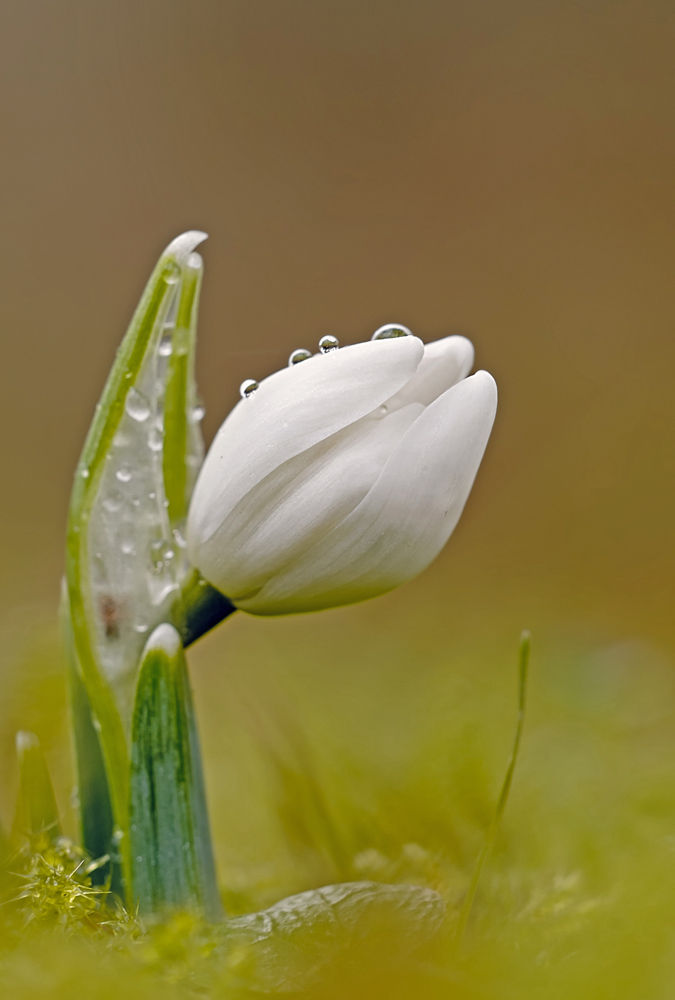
(493, 830)
(37, 815)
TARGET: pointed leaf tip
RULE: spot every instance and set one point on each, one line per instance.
(25, 740)
(165, 638)
(184, 244)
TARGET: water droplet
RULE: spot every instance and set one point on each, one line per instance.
(165, 503)
(328, 344)
(141, 627)
(180, 541)
(113, 503)
(155, 439)
(124, 474)
(96, 724)
(247, 388)
(302, 354)
(127, 548)
(161, 555)
(383, 410)
(165, 347)
(84, 473)
(137, 405)
(172, 274)
(194, 261)
(390, 330)
(197, 414)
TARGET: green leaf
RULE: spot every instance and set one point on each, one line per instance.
(37, 815)
(183, 442)
(124, 565)
(172, 859)
(97, 825)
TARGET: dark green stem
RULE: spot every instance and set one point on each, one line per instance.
(203, 607)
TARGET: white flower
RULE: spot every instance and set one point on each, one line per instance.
(341, 477)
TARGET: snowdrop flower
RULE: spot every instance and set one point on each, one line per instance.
(340, 478)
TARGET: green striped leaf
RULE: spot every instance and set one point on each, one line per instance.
(171, 855)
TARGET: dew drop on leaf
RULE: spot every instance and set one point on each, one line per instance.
(137, 405)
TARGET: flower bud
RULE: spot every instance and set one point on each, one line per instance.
(341, 477)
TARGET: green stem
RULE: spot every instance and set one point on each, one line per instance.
(203, 607)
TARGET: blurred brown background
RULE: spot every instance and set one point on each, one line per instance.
(502, 169)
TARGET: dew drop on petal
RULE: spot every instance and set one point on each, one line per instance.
(302, 354)
(84, 473)
(141, 627)
(328, 344)
(124, 474)
(137, 405)
(390, 330)
(197, 414)
(247, 388)
(127, 548)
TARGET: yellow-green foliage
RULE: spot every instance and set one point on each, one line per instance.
(384, 764)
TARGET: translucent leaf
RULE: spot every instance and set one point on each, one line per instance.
(125, 558)
(137, 558)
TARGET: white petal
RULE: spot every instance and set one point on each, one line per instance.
(298, 503)
(291, 411)
(445, 363)
(406, 518)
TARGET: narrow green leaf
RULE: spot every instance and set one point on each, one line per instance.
(183, 442)
(97, 825)
(491, 836)
(172, 859)
(37, 815)
(96, 816)
(122, 572)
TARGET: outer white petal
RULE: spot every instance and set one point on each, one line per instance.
(445, 363)
(406, 518)
(298, 503)
(291, 411)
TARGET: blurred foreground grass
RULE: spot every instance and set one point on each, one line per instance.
(365, 744)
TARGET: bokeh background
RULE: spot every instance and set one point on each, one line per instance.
(500, 169)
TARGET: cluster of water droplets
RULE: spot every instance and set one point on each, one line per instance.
(327, 345)
(137, 556)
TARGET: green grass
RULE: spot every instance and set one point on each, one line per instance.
(339, 750)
